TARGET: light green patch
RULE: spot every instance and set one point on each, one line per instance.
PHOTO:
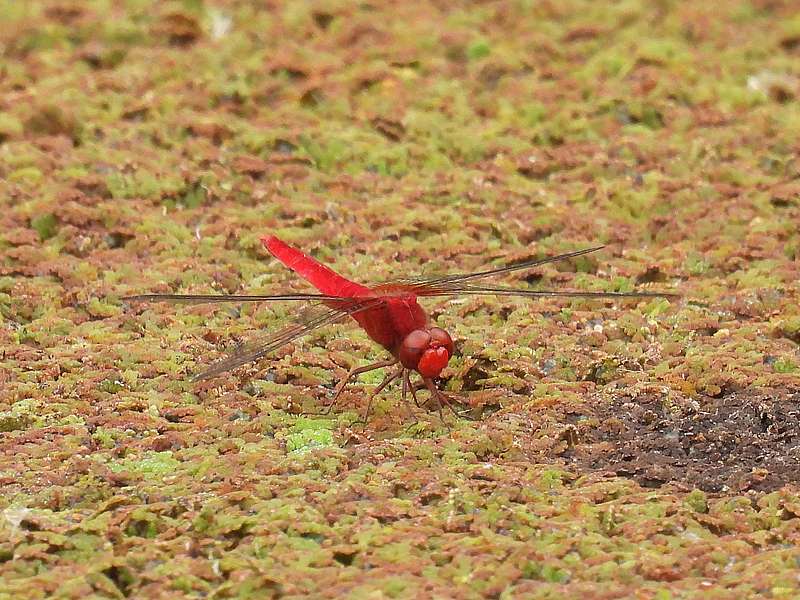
(696, 500)
(309, 434)
(478, 49)
(152, 465)
(22, 414)
(143, 184)
(45, 225)
(28, 175)
(696, 264)
(9, 125)
(785, 365)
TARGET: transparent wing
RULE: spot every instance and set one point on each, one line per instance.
(475, 290)
(435, 281)
(455, 285)
(213, 298)
(307, 320)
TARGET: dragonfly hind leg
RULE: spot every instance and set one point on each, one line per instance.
(355, 372)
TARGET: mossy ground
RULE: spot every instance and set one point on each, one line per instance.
(146, 146)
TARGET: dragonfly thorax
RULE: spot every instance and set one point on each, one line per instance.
(426, 350)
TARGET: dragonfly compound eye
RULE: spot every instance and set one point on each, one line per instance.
(412, 348)
(432, 362)
(439, 337)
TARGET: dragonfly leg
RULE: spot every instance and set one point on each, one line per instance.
(442, 398)
(386, 381)
(412, 387)
(406, 387)
(355, 372)
(445, 400)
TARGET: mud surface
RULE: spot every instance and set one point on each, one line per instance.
(738, 442)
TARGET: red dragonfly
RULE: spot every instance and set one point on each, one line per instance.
(388, 312)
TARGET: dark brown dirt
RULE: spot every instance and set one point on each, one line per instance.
(742, 441)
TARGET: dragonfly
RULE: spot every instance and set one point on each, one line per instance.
(388, 312)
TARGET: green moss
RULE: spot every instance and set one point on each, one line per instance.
(152, 465)
(12, 422)
(785, 365)
(29, 175)
(478, 49)
(104, 437)
(696, 264)
(791, 26)
(552, 478)
(308, 437)
(696, 500)
(9, 126)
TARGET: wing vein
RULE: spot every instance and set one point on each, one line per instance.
(502, 270)
(472, 290)
(214, 298)
(256, 350)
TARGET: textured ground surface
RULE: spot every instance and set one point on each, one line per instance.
(622, 449)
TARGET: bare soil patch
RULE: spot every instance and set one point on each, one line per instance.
(743, 441)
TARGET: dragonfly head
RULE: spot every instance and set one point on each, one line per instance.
(427, 351)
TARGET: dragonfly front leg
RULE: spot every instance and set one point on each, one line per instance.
(442, 398)
(355, 372)
(412, 387)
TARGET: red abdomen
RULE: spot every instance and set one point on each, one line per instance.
(321, 277)
(387, 324)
